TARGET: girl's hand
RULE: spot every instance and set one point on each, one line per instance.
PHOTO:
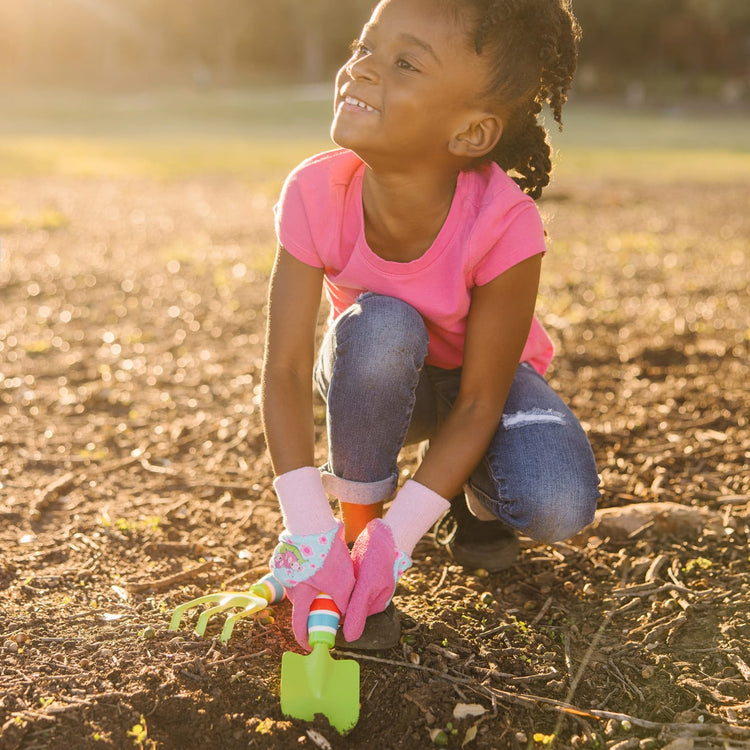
(382, 552)
(311, 564)
(312, 557)
(378, 565)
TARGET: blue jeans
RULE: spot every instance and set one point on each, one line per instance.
(538, 474)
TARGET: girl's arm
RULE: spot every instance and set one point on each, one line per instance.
(294, 300)
(499, 321)
(498, 326)
(293, 303)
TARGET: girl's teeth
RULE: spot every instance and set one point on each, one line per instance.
(357, 103)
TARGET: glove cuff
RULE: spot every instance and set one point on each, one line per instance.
(304, 503)
(412, 513)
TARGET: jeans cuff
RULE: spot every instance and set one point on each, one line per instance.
(358, 493)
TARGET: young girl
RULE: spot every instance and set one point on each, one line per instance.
(423, 231)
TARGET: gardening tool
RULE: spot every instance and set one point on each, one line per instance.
(266, 591)
(316, 683)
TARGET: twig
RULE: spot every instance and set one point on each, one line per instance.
(568, 658)
(732, 499)
(409, 665)
(629, 685)
(439, 584)
(655, 568)
(230, 582)
(542, 612)
(740, 666)
(561, 706)
(645, 589)
(50, 493)
(148, 466)
(632, 604)
(515, 679)
(494, 631)
(135, 587)
(217, 485)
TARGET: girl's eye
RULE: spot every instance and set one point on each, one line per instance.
(358, 48)
(405, 65)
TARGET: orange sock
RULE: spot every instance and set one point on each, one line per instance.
(356, 517)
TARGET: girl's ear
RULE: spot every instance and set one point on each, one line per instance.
(477, 137)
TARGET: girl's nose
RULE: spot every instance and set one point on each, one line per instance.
(361, 69)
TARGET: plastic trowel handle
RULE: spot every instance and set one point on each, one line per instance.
(323, 621)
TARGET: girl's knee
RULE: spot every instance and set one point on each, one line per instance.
(547, 511)
(383, 332)
(562, 516)
(547, 476)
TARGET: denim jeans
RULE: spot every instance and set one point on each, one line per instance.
(538, 474)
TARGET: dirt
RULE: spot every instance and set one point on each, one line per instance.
(133, 477)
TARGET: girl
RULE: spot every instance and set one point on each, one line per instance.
(423, 231)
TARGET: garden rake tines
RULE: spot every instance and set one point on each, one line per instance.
(257, 598)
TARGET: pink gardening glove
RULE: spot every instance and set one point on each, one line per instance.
(382, 552)
(377, 567)
(311, 564)
(312, 557)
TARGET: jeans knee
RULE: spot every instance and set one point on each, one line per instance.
(383, 335)
(558, 513)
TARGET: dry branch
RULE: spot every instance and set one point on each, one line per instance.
(50, 493)
(135, 587)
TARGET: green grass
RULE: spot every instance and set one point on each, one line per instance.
(253, 135)
(661, 146)
(261, 161)
(258, 135)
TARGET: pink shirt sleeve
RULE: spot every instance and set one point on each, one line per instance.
(294, 225)
(510, 237)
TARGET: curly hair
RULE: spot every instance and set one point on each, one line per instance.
(532, 49)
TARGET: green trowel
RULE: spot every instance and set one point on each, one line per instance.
(316, 683)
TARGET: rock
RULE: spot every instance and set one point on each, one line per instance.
(656, 519)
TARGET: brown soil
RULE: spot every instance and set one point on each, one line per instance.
(133, 477)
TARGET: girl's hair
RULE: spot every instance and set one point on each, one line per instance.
(532, 49)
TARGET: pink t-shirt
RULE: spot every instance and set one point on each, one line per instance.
(491, 226)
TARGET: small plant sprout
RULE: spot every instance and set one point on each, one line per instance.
(139, 733)
(543, 739)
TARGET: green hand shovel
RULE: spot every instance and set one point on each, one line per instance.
(316, 683)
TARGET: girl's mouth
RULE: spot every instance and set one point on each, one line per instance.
(352, 101)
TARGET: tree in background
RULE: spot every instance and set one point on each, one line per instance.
(647, 38)
(137, 42)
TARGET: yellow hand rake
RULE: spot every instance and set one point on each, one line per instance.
(257, 598)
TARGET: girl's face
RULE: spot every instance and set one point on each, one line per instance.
(408, 87)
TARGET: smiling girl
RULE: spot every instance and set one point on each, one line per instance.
(423, 232)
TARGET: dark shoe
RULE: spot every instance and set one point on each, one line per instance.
(382, 631)
(475, 544)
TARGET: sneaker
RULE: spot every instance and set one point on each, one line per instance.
(473, 543)
(382, 631)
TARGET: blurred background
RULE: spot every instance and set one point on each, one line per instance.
(648, 51)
